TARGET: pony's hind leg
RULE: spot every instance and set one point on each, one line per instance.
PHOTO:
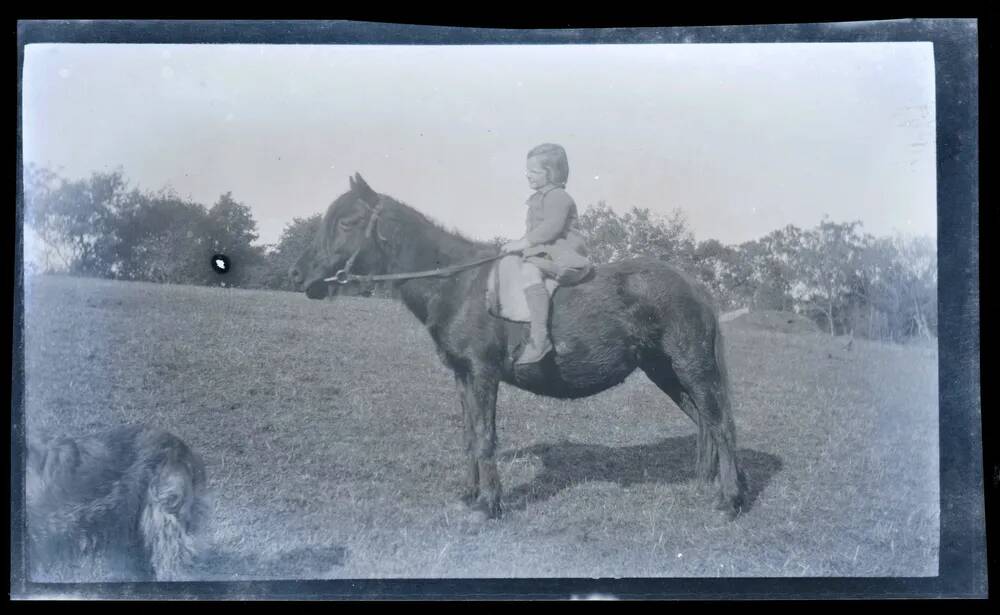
(702, 395)
(663, 376)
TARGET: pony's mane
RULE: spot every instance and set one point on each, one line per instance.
(436, 224)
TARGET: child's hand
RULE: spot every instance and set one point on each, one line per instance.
(514, 246)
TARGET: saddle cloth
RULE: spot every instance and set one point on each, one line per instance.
(505, 290)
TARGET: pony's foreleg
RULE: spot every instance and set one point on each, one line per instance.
(479, 400)
(470, 493)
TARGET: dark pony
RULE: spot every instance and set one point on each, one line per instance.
(639, 313)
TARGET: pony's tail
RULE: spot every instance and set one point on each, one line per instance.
(725, 394)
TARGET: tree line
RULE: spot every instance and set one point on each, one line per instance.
(846, 280)
(849, 282)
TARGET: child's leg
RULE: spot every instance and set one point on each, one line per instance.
(538, 304)
(531, 275)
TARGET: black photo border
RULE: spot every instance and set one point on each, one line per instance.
(962, 555)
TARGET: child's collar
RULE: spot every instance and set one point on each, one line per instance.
(547, 189)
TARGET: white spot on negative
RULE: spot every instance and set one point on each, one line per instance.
(230, 117)
(167, 72)
(64, 72)
(597, 177)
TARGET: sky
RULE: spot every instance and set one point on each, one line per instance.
(743, 138)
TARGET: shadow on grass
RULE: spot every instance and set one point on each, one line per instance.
(672, 460)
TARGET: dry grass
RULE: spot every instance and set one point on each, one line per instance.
(332, 437)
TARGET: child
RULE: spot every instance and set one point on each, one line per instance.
(553, 246)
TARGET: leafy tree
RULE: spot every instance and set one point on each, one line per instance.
(78, 220)
(605, 232)
(893, 293)
(763, 271)
(825, 261)
(39, 186)
(871, 295)
(101, 227)
(717, 266)
(294, 240)
(166, 241)
(913, 278)
(231, 230)
(639, 232)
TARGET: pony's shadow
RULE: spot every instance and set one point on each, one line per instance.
(671, 460)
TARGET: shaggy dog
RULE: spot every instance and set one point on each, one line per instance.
(122, 504)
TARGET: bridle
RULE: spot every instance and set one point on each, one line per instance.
(344, 276)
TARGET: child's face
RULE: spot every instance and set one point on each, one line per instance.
(538, 176)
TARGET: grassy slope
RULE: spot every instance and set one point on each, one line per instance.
(332, 437)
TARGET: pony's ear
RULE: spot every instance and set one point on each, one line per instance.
(350, 180)
(364, 190)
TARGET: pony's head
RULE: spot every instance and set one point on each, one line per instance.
(345, 230)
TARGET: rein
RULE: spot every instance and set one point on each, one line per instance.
(345, 276)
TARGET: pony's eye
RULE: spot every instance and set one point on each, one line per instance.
(349, 224)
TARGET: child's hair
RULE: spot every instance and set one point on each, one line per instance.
(554, 161)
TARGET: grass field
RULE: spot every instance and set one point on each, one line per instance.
(332, 436)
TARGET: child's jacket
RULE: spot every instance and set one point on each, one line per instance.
(557, 247)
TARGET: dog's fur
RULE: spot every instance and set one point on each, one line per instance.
(122, 504)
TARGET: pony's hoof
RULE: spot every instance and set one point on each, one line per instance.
(729, 507)
(477, 517)
(485, 510)
(729, 514)
(480, 516)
